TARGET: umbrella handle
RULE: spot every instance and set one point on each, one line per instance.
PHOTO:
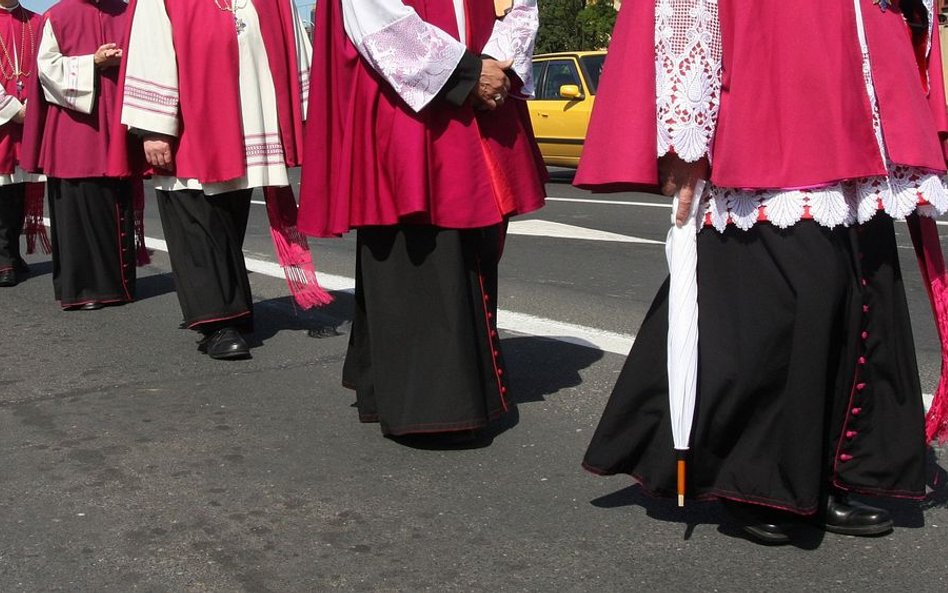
(681, 477)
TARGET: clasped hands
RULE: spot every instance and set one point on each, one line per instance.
(492, 87)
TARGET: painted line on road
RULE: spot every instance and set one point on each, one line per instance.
(666, 206)
(575, 200)
(558, 230)
(520, 323)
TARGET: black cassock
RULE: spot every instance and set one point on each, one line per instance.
(93, 239)
(424, 355)
(807, 374)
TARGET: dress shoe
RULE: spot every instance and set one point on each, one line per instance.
(225, 344)
(21, 267)
(92, 306)
(853, 518)
(765, 525)
(8, 278)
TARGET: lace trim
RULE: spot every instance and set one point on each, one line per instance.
(687, 76)
(904, 191)
(415, 58)
(513, 38)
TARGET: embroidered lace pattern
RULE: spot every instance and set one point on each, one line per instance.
(904, 191)
(687, 75)
(688, 90)
(415, 58)
(513, 38)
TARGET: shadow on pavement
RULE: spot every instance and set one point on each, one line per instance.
(561, 175)
(937, 483)
(156, 285)
(697, 513)
(540, 366)
(283, 314)
(38, 269)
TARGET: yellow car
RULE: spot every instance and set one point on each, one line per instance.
(565, 92)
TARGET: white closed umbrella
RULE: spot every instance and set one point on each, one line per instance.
(681, 251)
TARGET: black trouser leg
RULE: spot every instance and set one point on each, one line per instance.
(12, 205)
(205, 237)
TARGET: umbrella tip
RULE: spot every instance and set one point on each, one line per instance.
(681, 500)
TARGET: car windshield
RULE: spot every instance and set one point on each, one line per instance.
(593, 67)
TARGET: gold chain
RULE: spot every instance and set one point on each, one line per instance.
(14, 65)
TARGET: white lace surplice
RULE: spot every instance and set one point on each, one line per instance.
(688, 89)
(417, 58)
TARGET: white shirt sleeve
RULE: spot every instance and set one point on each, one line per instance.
(68, 81)
(304, 57)
(414, 57)
(151, 98)
(514, 37)
(9, 107)
(688, 76)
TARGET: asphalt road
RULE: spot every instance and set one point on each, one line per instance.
(130, 463)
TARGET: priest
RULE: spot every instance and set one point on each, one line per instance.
(816, 129)
(216, 89)
(19, 31)
(73, 136)
(420, 141)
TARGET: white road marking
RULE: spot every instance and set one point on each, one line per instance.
(545, 228)
(610, 202)
(520, 323)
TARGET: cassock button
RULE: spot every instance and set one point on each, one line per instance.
(500, 372)
(862, 360)
(496, 353)
(493, 333)
(860, 386)
(856, 411)
(486, 297)
(865, 335)
(865, 308)
(844, 457)
(863, 281)
(503, 390)
(490, 315)
(851, 434)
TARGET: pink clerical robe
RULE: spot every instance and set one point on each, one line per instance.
(372, 160)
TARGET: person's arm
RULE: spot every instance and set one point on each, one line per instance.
(151, 98)
(304, 56)
(68, 81)
(11, 109)
(688, 92)
(513, 38)
(416, 58)
(150, 101)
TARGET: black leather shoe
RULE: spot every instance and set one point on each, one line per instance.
(225, 344)
(21, 268)
(853, 518)
(8, 278)
(93, 306)
(767, 526)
